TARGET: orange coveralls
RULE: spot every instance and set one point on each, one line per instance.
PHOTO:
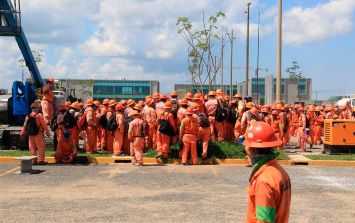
(65, 152)
(47, 103)
(110, 135)
(203, 135)
(163, 141)
(118, 134)
(136, 137)
(37, 142)
(318, 127)
(150, 116)
(269, 194)
(188, 135)
(91, 130)
(217, 128)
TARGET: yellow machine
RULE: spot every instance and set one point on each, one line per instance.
(339, 136)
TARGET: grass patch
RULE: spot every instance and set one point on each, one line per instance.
(347, 157)
(220, 150)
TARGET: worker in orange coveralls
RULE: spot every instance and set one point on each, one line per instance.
(110, 134)
(188, 134)
(36, 141)
(91, 128)
(119, 132)
(47, 100)
(150, 116)
(136, 138)
(217, 128)
(65, 152)
(318, 126)
(269, 191)
(301, 140)
(163, 140)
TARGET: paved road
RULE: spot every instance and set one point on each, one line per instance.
(172, 193)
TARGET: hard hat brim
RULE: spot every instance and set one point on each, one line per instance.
(273, 144)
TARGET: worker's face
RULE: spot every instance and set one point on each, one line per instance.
(36, 110)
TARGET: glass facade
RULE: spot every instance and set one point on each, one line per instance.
(113, 89)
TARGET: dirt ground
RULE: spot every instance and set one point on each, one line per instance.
(171, 193)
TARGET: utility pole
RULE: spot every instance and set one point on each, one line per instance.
(222, 58)
(279, 54)
(231, 38)
(257, 64)
(247, 51)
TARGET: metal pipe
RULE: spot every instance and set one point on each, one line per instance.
(247, 51)
(279, 54)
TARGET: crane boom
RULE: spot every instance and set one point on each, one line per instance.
(10, 25)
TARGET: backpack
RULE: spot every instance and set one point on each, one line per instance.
(103, 121)
(221, 113)
(175, 108)
(54, 124)
(112, 124)
(204, 122)
(32, 128)
(68, 120)
(165, 127)
(82, 123)
(127, 120)
(233, 116)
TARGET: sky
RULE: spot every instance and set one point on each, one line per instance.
(138, 39)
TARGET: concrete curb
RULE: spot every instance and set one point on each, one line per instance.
(152, 161)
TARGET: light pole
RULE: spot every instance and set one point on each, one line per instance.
(279, 54)
(231, 38)
(257, 63)
(247, 51)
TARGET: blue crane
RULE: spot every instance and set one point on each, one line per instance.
(23, 94)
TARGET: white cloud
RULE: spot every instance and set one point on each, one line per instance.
(302, 25)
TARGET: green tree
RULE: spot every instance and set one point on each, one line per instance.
(38, 56)
(294, 71)
(204, 57)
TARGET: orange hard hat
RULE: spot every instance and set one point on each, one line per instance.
(163, 96)
(97, 103)
(226, 98)
(138, 107)
(282, 108)
(106, 101)
(148, 96)
(134, 113)
(300, 108)
(195, 106)
(130, 102)
(168, 105)
(188, 95)
(50, 80)
(265, 110)
(103, 110)
(254, 111)
(183, 101)
(261, 135)
(67, 104)
(311, 109)
(156, 95)
(112, 103)
(189, 111)
(149, 101)
(81, 104)
(60, 107)
(327, 109)
(286, 106)
(174, 93)
(274, 112)
(317, 109)
(89, 102)
(219, 92)
(237, 96)
(118, 107)
(123, 102)
(75, 105)
(197, 96)
(211, 93)
(249, 105)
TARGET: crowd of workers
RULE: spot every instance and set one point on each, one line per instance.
(127, 127)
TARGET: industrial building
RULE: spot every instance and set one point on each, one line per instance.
(101, 89)
(182, 89)
(263, 90)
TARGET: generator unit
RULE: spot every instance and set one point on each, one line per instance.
(339, 136)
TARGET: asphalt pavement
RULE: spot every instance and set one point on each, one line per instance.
(170, 193)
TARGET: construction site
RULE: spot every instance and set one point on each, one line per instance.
(223, 112)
